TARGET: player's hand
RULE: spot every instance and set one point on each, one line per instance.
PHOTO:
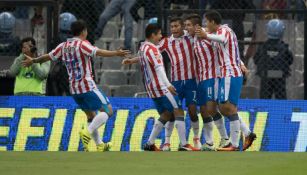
(28, 61)
(244, 69)
(199, 32)
(172, 90)
(127, 61)
(122, 53)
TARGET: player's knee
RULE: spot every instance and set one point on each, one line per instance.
(178, 112)
(228, 109)
(192, 109)
(90, 115)
(167, 116)
(211, 108)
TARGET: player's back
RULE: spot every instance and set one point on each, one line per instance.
(76, 55)
(229, 57)
(150, 58)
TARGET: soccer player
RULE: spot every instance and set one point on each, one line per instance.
(159, 89)
(179, 47)
(77, 53)
(208, 72)
(231, 80)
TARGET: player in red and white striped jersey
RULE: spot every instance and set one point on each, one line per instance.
(77, 53)
(179, 47)
(208, 73)
(159, 88)
(231, 80)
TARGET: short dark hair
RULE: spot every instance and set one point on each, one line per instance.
(175, 19)
(195, 19)
(27, 39)
(213, 15)
(77, 27)
(151, 29)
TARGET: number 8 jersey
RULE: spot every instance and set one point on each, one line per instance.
(77, 55)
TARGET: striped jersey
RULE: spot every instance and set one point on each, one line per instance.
(77, 55)
(207, 59)
(150, 57)
(228, 50)
(180, 52)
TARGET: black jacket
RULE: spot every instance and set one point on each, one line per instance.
(273, 55)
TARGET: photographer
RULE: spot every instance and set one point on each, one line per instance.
(29, 80)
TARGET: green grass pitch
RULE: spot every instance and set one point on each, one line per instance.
(152, 163)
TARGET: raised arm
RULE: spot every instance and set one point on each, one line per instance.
(220, 38)
(109, 53)
(28, 61)
(134, 60)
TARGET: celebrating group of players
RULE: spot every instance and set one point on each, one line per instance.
(206, 71)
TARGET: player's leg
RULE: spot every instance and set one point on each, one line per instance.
(97, 101)
(173, 103)
(169, 127)
(249, 136)
(230, 88)
(219, 123)
(229, 93)
(190, 95)
(158, 126)
(204, 93)
(163, 107)
(217, 117)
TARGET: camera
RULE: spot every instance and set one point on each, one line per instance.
(33, 49)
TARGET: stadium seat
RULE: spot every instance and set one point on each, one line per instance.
(248, 26)
(114, 63)
(250, 92)
(113, 77)
(296, 92)
(105, 89)
(134, 77)
(117, 43)
(110, 32)
(125, 91)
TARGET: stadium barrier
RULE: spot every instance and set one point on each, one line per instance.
(53, 124)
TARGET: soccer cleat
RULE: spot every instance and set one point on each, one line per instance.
(196, 143)
(249, 141)
(187, 147)
(85, 138)
(150, 147)
(208, 147)
(107, 146)
(228, 148)
(100, 147)
(166, 147)
(224, 143)
(104, 147)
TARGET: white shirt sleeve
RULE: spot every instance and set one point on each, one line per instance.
(162, 75)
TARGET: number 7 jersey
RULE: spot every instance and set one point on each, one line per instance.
(77, 55)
